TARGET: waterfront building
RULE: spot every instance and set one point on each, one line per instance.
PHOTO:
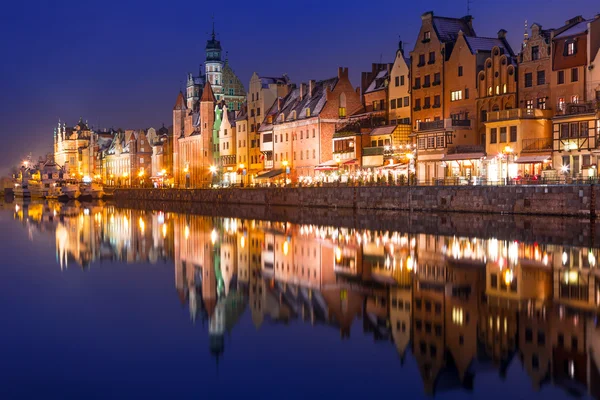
(162, 155)
(70, 145)
(262, 93)
(227, 147)
(127, 161)
(296, 136)
(434, 130)
(399, 89)
(519, 140)
(193, 147)
(576, 123)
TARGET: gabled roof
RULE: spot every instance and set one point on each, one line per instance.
(180, 103)
(295, 107)
(479, 44)
(207, 93)
(378, 83)
(576, 29)
(447, 28)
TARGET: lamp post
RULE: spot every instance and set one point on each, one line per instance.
(285, 165)
(242, 167)
(507, 152)
(338, 161)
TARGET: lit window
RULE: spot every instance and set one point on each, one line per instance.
(570, 48)
(456, 95)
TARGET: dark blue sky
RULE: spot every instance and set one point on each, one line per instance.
(120, 63)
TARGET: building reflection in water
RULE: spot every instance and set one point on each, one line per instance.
(458, 305)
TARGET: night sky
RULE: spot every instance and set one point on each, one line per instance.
(121, 63)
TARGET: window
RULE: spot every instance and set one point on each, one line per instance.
(307, 111)
(421, 60)
(418, 104)
(571, 48)
(493, 135)
(431, 57)
(535, 52)
(456, 95)
(375, 105)
(541, 77)
(397, 81)
(427, 81)
(427, 102)
(314, 154)
(528, 79)
(574, 75)
(560, 77)
(141, 160)
(529, 104)
(393, 104)
(436, 78)
(231, 92)
(490, 91)
(287, 137)
(466, 93)
(561, 103)
(497, 89)
(503, 134)
(342, 112)
(575, 99)
(402, 80)
(406, 101)
(258, 112)
(417, 83)
(513, 134)
(426, 36)
(541, 103)
(460, 70)
(437, 101)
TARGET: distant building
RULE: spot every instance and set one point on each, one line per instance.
(70, 144)
(162, 154)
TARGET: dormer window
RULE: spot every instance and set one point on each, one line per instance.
(307, 112)
(571, 48)
(426, 36)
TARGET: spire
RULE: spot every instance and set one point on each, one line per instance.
(180, 103)
(526, 33)
(207, 93)
(213, 27)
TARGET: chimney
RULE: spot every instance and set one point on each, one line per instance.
(427, 15)
(311, 87)
(302, 90)
(340, 72)
(401, 47)
(502, 34)
(468, 19)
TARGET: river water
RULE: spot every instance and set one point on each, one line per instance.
(101, 302)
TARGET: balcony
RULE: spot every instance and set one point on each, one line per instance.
(358, 125)
(444, 124)
(535, 145)
(588, 107)
(518, 113)
(436, 83)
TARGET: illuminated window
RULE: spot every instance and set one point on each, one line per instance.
(456, 95)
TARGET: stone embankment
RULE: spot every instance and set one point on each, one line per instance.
(558, 200)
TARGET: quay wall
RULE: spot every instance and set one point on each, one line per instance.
(558, 200)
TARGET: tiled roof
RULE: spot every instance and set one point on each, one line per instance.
(207, 93)
(576, 29)
(379, 82)
(314, 101)
(266, 81)
(447, 28)
(180, 103)
(477, 44)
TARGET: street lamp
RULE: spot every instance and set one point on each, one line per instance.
(338, 161)
(213, 171)
(507, 151)
(285, 164)
(242, 167)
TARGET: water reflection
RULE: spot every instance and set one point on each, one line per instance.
(458, 305)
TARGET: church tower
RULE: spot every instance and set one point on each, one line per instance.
(179, 113)
(213, 66)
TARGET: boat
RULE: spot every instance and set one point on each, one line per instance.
(37, 189)
(54, 192)
(69, 191)
(21, 190)
(91, 191)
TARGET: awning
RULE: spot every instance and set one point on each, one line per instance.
(463, 156)
(350, 162)
(270, 174)
(531, 159)
(327, 165)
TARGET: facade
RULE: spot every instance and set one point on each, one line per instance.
(194, 147)
(162, 154)
(262, 94)
(71, 149)
(576, 125)
(296, 137)
(399, 89)
(128, 159)
(433, 130)
(232, 172)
